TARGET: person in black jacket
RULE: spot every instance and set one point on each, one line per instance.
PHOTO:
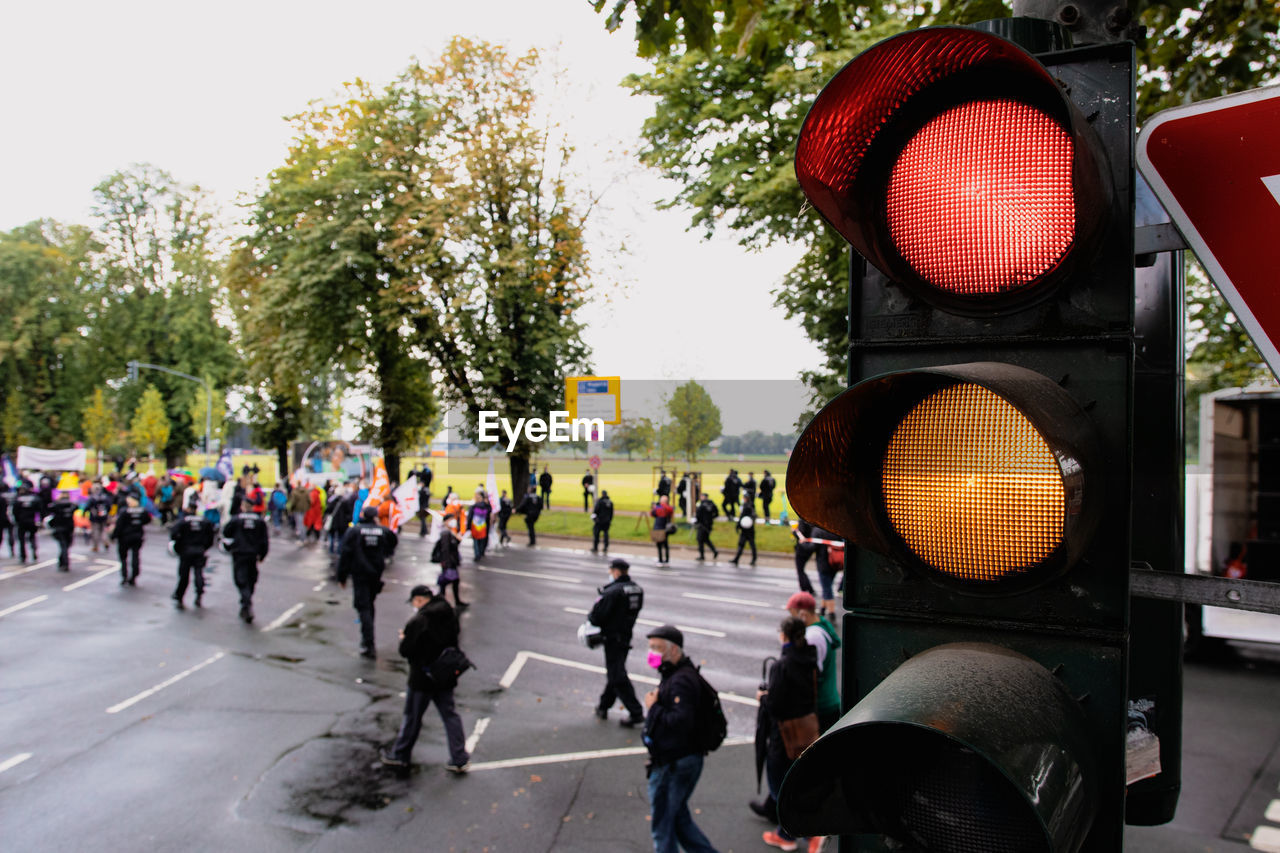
(128, 533)
(664, 484)
(99, 508)
(446, 554)
(62, 521)
(704, 519)
(588, 487)
(746, 532)
(432, 629)
(6, 523)
(792, 692)
(749, 488)
(190, 539)
(615, 613)
(26, 517)
(602, 518)
(675, 760)
(804, 550)
(362, 558)
(505, 508)
(343, 516)
(731, 488)
(767, 485)
(544, 483)
(245, 538)
(531, 508)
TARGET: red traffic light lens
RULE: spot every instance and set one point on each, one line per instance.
(952, 160)
(981, 199)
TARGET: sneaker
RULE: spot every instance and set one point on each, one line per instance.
(631, 722)
(458, 769)
(817, 843)
(389, 761)
(773, 839)
(602, 714)
(368, 653)
(177, 602)
(199, 602)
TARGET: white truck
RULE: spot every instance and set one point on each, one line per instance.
(1233, 509)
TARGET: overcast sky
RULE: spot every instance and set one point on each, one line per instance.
(201, 90)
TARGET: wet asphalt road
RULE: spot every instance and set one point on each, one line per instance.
(143, 725)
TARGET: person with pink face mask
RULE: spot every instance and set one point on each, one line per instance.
(614, 613)
(670, 733)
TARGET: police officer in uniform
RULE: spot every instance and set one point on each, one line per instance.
(615, 613)
(767, 485)
(192, 535)
(26, 517)
(603, 518)
(128, 535)
(362, 557)
(245, 538)
(62, 521)
(704, 517)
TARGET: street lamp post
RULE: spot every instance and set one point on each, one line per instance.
(208, 398)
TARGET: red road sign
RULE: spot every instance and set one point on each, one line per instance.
(594, 461)
(1216, 167)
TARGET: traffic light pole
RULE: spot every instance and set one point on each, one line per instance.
(208, 397)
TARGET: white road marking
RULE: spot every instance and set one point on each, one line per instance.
(30, 601)
(103, 562)
(1273, 811)
(86, 581)
(318, 586)
(522, 657)
(581, 756)
(706, 632)
(168, 682)
(539, 575)
(11, 763)
(4, 576)
(726, 600)
(1264, 838)
(481, 725)
(76, 558)
(282, 618)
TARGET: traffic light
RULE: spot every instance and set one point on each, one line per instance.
(981, 463)
(133, 371)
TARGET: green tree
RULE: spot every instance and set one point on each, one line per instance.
(695, 420)
(46, 368)
(149, 428)
(161, 298)
(323, 269)
(498, 242)
(633, 435)
(99, 424)
(733, 79)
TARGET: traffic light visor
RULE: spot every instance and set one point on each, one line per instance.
(951, 159)
(965, 747)
(983, 476)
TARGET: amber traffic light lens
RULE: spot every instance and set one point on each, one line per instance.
(981, 201)
(972, 488)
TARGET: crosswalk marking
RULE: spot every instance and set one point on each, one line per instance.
(1266, 838)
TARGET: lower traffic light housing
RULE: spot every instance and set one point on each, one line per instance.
(964, 747)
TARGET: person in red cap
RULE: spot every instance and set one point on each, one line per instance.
(822, 635)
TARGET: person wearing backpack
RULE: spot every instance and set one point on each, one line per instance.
(791, 701)
(432, 629)
(825, 639)
(672, 734)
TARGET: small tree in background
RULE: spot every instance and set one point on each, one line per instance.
(99, 422)
(150, 425)
(695, 419)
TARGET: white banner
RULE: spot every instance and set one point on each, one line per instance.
(40, 459)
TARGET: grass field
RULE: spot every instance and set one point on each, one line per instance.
(630, 484)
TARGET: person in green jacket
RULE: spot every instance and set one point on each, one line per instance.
(822, 635)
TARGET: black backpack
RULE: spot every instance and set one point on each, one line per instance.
(446, 669)
(709, 726)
